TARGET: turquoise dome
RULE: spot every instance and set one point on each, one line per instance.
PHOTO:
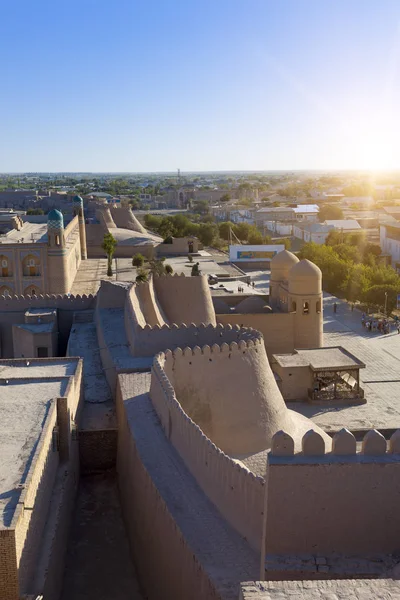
(77, 200)
(55, 219)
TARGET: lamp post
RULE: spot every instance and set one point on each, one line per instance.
(386, 304)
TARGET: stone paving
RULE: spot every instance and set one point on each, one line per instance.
(345, 589)
(89, 275)
(380, 379)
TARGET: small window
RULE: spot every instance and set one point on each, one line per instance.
(42, 352)
(306, 308)
(319, 306)
(294, 307)
(57, 240)
(4, 263)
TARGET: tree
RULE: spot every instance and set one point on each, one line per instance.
(156, 266)
(35, 211)
(138, 260)
(286, 242)
(207, 233)
(225, 198)
(329, 212)
(255, 237)
(108, 245)
(224, 229)
(168, 269)
(383, 295)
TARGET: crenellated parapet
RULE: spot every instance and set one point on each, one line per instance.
(148, 339)
(15, 303)
(344, 446)
(343, 501)
(235, 490)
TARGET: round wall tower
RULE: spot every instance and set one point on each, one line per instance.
(78, 211)
(305, 300)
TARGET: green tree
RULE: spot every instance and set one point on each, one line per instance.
(35, 211)
(329, 212)
(225, 198)
(381, 295)
(168, 269)
(108, 245)
(207, 233)
(138, 260)
(224, 229)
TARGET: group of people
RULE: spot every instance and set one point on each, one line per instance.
(241, 288)
(379, 325)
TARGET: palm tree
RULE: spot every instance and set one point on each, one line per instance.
(108, 245)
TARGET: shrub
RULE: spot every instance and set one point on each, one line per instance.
(138, 260)
(142, 275)
(168, 269)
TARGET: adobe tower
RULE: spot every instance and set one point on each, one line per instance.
(78, 211)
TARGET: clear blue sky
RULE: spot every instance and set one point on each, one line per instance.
(144, 85)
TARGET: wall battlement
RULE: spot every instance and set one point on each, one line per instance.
(235, 490)
(344, 447)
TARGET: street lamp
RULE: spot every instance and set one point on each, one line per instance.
(386, 304)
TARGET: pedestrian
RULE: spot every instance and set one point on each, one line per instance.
(335, 308)
(398, 328)
(352, 307)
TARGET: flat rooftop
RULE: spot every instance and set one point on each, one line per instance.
(31, 233)
(26, 401)
(327, 359)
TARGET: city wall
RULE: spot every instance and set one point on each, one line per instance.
(278, 329)
(342, 502)
(155, 537)
(235, 491)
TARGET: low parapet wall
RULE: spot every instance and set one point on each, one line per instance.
(12, 312)
(342, 501)
(235, 491)
(277, 328)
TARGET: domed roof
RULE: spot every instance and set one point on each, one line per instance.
(284, 259)
(305, 268)
(77, 200)
(55, 219)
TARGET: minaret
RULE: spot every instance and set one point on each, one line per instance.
(78, 210)
(56, 254)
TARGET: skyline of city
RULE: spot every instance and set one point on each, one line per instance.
(264, 86)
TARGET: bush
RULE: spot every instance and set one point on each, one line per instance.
(168, 240)
(138, 260)
(142, 276)
(168, 269)
(190, 258)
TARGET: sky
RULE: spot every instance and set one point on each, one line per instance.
(203, 85)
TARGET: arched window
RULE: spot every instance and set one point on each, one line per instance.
(306, 308)
(319, 306)
(32, 290)
(57, 240)
(5, 291)
(4, 266)
(294, 306)
(31, 266)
